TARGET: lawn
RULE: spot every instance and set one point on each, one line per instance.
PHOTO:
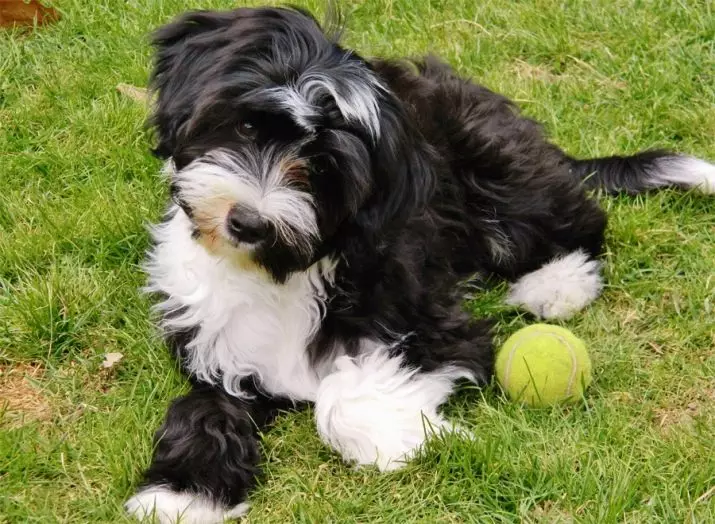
(78, 187)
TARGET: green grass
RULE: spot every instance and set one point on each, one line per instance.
(78, 186)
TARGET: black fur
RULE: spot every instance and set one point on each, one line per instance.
(621, 174)
(456, 184)
(209, 444)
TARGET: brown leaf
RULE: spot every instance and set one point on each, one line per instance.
(135, 93)
(110, 359)
(21, 13)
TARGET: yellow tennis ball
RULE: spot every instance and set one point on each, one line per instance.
(541, 365)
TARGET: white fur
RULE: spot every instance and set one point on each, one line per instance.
(560, 288)
(248, 323)
(254, 179)
(372, 410)
(685, 171)
(354, 90)
(158, 503)
(291, 100)
(352, 86)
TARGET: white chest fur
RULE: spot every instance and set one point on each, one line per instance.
(247, 324)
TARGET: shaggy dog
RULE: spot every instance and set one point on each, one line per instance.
(326, 212)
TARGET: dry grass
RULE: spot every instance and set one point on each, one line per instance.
(22, 399)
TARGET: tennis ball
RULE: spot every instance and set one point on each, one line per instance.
(541, 365)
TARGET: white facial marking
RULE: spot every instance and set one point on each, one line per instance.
(213, 183)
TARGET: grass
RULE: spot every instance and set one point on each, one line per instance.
(78, 187)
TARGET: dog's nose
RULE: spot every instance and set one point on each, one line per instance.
(246, 225)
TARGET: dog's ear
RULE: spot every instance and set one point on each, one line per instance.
(404, 164)
(179, 48)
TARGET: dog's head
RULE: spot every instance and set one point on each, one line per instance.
(280, 141)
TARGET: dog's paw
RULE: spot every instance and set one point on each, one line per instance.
(560, 288)
(162, 505)
(375, 411)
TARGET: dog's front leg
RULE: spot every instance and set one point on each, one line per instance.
(380, 406)
(376, 410)
(206, 459)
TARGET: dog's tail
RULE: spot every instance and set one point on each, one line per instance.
(645, 171)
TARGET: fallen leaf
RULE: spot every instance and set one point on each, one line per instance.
(110, 359)
(135, 93)
(22, 13)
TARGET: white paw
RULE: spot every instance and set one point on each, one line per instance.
(162, 505)
(560, 288)
(376, 412)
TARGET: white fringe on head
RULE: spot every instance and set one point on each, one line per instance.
(353, 87)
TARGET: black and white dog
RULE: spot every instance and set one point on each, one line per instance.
(326, 211)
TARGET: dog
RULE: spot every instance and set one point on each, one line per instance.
(327, 212)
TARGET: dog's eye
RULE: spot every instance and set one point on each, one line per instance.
(247, 129)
